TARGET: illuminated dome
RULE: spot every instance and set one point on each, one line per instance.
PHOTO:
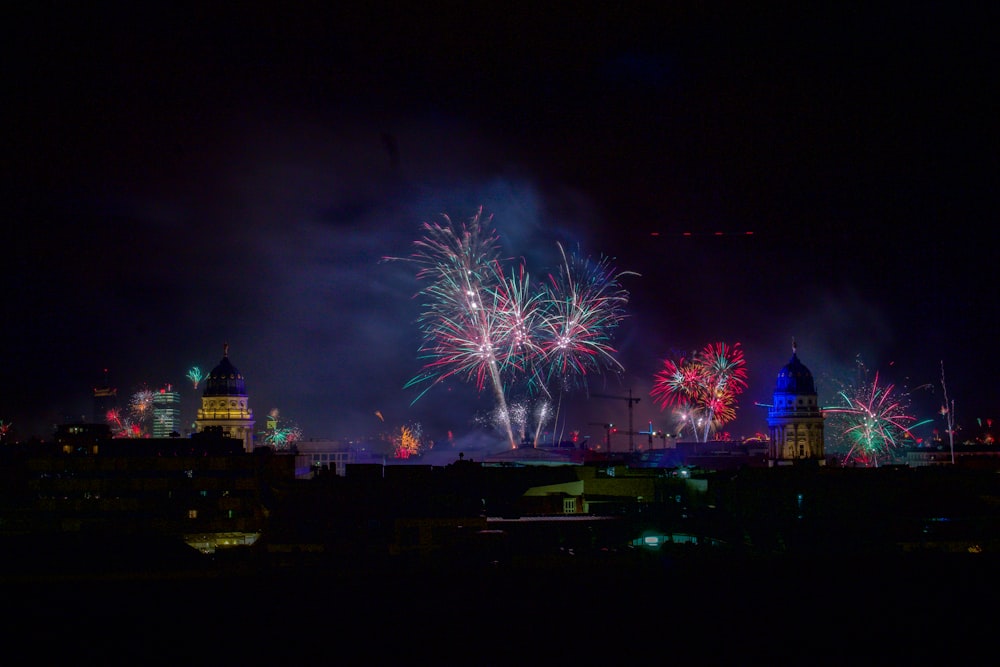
(225, 379)
(794, 418)
(795, 378)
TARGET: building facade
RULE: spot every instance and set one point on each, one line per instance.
(794, 418)
(225, 406)
(312, 456)
(166, 412)
(203, 489)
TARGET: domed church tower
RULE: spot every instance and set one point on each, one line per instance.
(795, 420)
(224, 404)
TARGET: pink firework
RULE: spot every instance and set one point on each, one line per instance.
(870, 420)
(704, 389)
(680, 381)
(461, 326)
(584, 304)
(495, 329)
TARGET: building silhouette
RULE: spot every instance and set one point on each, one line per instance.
(203, 490)
(690, 537)
(105, 400)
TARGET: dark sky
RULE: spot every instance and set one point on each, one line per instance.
(181, 178)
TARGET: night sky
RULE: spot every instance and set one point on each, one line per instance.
(183, 178)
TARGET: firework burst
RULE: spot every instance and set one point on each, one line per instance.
(458, 263)
(519, 313)
(703, 389)
(195, 375)
(870, 420)
(280, 433)
(407, 442)
(584, 304)
(122, 426)
(484, 325)
(140, 415)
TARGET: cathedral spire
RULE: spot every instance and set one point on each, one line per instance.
(794, 346)
(225, 349)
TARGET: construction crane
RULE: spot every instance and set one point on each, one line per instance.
(631, 402)
(662, 435)
(608, 430)
(650, 433)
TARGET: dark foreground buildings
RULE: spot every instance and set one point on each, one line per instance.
(197, 550)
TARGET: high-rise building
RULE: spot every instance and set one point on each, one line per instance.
(166, 412)
(105, 400)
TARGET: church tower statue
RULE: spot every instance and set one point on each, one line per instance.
(795, 419)
(224, 404)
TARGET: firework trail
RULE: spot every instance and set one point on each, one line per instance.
(948, 412)
(517, 415)
(122, 426)
(522, 414)
(492, 328)
(562, 331)
(702, 389)
(871, 420)
(520, 312)
(195, 375)
(114, 420)
(543, 415)
(578, 312)
(459, 323)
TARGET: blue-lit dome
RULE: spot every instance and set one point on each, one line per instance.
(795, 378)
(225, 379)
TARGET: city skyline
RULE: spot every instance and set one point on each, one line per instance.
(767, 174)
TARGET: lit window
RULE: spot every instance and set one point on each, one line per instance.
(192, 514)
